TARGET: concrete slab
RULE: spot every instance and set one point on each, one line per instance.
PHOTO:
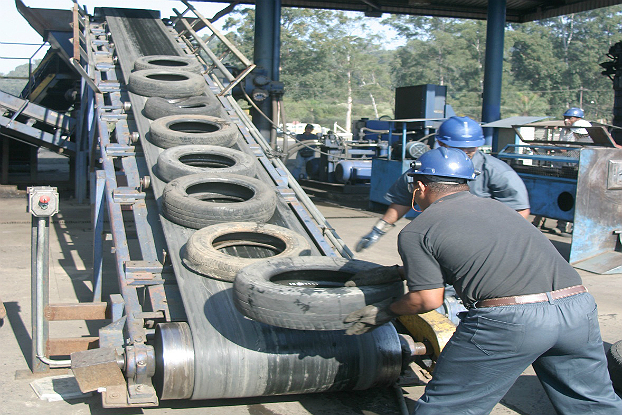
(58, 388)
(70, 264)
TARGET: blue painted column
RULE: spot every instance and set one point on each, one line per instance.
(267, 54)
(493, 69)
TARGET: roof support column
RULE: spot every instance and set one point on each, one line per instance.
(267, 55)
(493, 69)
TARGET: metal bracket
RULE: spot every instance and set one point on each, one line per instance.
(104, 67)
(109, 86)
(97, 368)
(140, 367)
(288, 194)
(120, 150)
(127, 195)
(112, 117)
(143, 273)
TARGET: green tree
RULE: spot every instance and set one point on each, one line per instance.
(444, 52)
(332, 66)
(15, 86)
(326, 57)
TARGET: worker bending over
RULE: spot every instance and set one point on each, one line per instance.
(497, 180)
(526, 304)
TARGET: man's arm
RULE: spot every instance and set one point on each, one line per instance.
(416, 302)
(524, 213)
(395, 212)
(375, 315)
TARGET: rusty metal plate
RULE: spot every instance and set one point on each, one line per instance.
(97, 368)
(77, 311)
(67, 346)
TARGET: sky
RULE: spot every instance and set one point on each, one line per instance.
(15, 29)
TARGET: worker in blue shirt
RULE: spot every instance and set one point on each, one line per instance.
(305, 153)
(496, 180)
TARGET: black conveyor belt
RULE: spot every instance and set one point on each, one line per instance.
(234, 356)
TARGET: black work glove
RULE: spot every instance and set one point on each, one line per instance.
(375, 276)
(370, 317)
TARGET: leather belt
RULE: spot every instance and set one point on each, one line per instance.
(531, 298)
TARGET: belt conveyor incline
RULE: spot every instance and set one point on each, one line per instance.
(234, 356)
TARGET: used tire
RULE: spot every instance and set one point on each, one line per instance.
(167, 83)
(306, 293)
(157, 107)
(200, 200)
(176, 130)
(614, 363)
(192, 159)
(178, 63)
(220, 251)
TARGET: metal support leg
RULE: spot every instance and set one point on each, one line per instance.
(40, 288)
(98, 232)
(42, 204)
(4, 175)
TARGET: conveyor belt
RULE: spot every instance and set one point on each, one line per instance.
(234, 356)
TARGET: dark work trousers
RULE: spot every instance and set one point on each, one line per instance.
(493, 346)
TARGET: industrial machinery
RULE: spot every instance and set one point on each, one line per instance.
(172, 331)
(564, 179)
(419, 110)
(344, 161)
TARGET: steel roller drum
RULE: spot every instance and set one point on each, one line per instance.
(237, 357)
(234, 356)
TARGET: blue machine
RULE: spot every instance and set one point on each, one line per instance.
(419, 111)
(575, 181)
(550, 176)
(353, 170)
(344, 161)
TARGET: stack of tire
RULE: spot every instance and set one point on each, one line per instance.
(212, 186)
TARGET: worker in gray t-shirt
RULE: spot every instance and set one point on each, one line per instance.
(526, 303)
(496, 180)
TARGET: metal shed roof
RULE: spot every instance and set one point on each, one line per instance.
(518, 11)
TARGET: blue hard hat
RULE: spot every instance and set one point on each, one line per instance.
(451, 163)
(574, 112)
(460, 132)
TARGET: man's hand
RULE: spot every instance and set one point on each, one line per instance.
(375, 276)
(369, 239)
(370, 317)
(380, 228)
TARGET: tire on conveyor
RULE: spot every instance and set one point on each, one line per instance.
(157, 107)
(306, 293)
(200, 200)
(176, 130)
(220, 251)
(614, 363)
(178, 63)
(181, 161)
(166, 83)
